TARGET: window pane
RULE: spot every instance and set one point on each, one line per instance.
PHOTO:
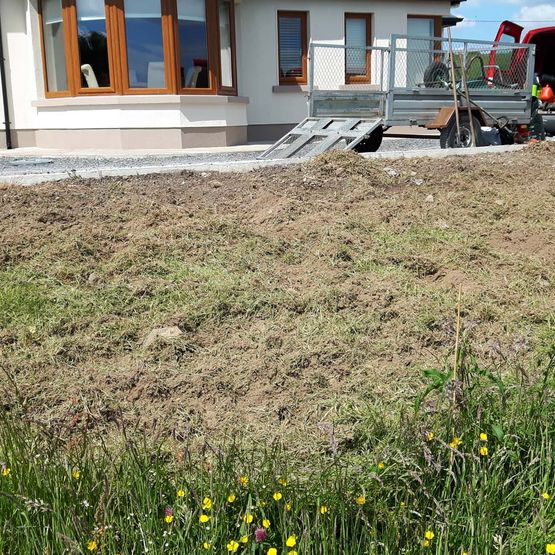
(93, 43)
(419, 55)
(54, 49)
(193, 44)
(226, 68)
(145, 46)
(290, 46)
(356, 38)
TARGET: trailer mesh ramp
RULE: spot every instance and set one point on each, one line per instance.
(314, 136)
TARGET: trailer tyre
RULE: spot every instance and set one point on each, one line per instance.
(436, 74)
(371, 143)
(448, 137)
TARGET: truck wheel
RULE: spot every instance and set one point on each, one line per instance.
(449, 139)
(371, 143)
(436, 74)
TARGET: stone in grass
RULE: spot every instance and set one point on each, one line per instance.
(162, 334)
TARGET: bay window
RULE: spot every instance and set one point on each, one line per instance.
(138, 47)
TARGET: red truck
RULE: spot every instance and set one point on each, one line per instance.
(544, 39)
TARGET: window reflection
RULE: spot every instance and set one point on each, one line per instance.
(226, 65)
(145, 46)
(93, 44)
(193, 44)
(54, 47)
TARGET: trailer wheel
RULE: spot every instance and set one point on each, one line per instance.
(371, 143)
(449, 139)
(436, 75)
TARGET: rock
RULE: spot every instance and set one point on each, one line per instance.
(164, 334)
(418, 182)
(391, 172)
(93, 278)
(430, 198)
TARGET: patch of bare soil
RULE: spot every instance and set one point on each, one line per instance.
(273, 302)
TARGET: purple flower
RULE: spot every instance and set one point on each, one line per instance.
(168, 511)
(260, 535)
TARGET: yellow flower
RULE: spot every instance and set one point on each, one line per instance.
(243, 480)
(262, 504)
(206, 545)
(266, 523)
(168, 519)
(231, 498)
(248, 518)
(429, 535)
(203, 519)
(244, 539)
(430, 436)
(484, 451)
(483, 437)
(282, 482)
(455, 442)
(464, 553)
(292, 553)
(426, 543)
(180, 493)
(360, 500)
(232, 546)
(92, 545)
(277, 496)
(272, 551)
(546, 496)
(207, 503)
(76, 474)
(381, 465)
(288, 506)
(323, 509)
(291, 541)
(402, 504)
(550, 548)
(6, 471)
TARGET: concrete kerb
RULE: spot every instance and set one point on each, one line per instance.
(238, 166)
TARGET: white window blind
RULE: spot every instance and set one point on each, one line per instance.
(291, 46)
(191, 10)
(139, 9)
(52, 11)
(90, 10)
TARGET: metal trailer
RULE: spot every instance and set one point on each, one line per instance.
(354, 94)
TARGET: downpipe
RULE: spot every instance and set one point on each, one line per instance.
(7, 129)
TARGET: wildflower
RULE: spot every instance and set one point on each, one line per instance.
(203, 519)
(76, 474)
(546, 496)
(455, 442)
(484, 451)
(207, 503)
(248, 518)
(262, 504)
(272, 551)
(293, 553)
(260, 535)
(232, 546)
(244, 539)
(429, 535)
(483, 437)
(206, 545)
(92, 545)
(168, 519)
(180, 493)
(402, 504)
(426, 543)
(291, 541)
(6, 471)
(288, 506)
(323, 509)
(243, 480)
(266, 523)
(550, 548)
(282, 482)
(360, 500)
(430, 436)
(381, 465)
(231, 498)
(277, 496)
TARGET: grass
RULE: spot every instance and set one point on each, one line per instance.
(403, 484)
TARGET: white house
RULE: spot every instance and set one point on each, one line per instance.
(179, 73)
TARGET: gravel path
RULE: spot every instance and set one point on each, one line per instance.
(24, 165)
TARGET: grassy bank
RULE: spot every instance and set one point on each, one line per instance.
(471, 471)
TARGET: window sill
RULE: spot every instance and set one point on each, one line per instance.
(141, 100)
(279, 89)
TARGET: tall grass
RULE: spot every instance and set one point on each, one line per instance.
(471, 471)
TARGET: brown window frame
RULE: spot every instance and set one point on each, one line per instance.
(367, 78)
(117, 52)
(302, 79)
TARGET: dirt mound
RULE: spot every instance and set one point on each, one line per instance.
(344, 163)
(543, 146)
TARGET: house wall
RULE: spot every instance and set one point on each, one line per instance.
(262, 111)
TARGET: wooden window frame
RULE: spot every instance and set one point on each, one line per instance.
(117, 52)
(367, 78)
(303, 79)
